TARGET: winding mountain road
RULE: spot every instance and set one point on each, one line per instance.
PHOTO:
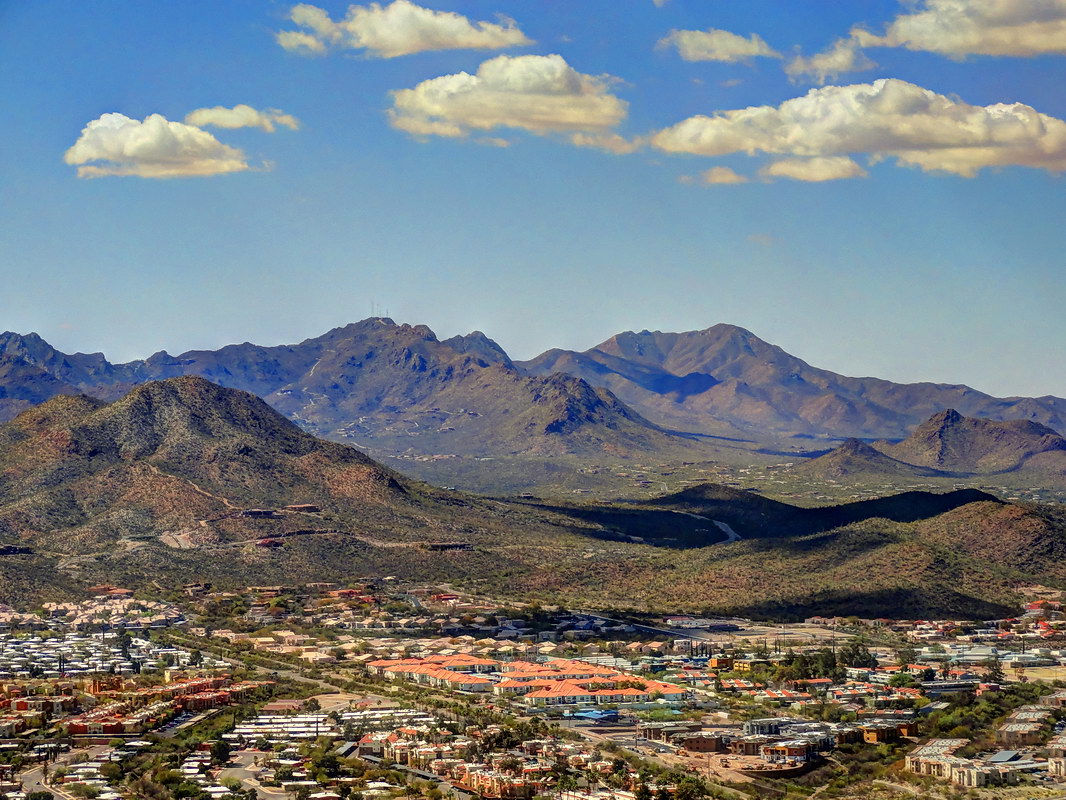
(731, 535)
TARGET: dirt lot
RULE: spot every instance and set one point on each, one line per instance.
(1045, 674)
(340, 701)
(794, 635)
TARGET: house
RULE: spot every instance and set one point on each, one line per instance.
(1019, 734)
(799, 750)
(880, 732)
(700, 742)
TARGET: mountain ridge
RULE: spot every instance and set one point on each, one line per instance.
(398, 389)
(389, 386)
(737, 379)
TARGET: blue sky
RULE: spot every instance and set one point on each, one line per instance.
(898, 228)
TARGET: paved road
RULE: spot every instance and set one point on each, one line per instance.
(730, 534)
(243, 771)
(33, 778)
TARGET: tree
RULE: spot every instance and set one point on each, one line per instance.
(111, 771)
(567, 783)
(901, 679)
(328, 763)
(857, 654)
(642, 792)
(221, 750)
(994, 670)
(906, 655)
(689, 788)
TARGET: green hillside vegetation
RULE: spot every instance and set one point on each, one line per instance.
(150, 489)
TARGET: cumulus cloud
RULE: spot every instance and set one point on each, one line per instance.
(717, 45)
(397, 29)
(977, 27)
(843, 56)
(156, 147)
(540, 94)
(721, 175)
(300, 42)
(814, 170)
(241, 116)
(608, 142)
(886, 119)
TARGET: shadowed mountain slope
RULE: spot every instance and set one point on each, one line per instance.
(917, 553)
(23, 384)
(755, 516)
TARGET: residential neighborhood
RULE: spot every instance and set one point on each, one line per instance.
(322, 690)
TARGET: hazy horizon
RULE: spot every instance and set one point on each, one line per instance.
(515, 355)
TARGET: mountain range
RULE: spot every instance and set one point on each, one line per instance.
(399, 391)
(726, 377)
(395, 387)
(182, 480)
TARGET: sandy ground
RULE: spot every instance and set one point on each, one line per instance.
(1038, 674)
(342, 701)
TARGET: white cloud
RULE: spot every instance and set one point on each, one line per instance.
(241, 116)
(300, 42)
(398, 29)
(717, 45)
(115, 144)
(659, 3)
(541, 94)
(814, 170)
(721, 175)
(886, 118)
(609, 142)
(843, 56)
(977, 27)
